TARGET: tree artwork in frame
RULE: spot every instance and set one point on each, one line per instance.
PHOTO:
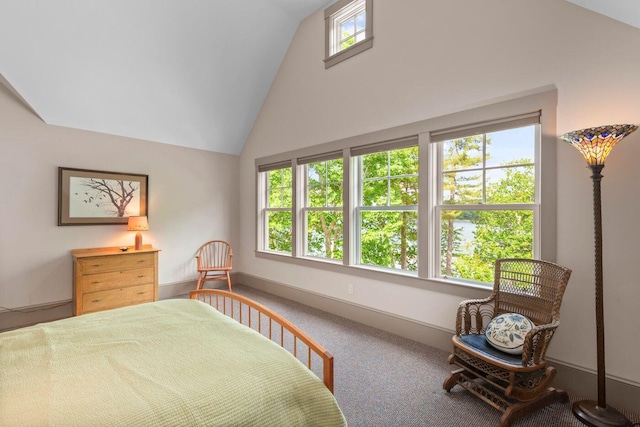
(89, 197)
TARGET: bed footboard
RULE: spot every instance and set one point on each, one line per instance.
(271, 325)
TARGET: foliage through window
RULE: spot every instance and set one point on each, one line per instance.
(278, 211)
(487, 201)
(388, 209)
(323, 209)
(423, 201)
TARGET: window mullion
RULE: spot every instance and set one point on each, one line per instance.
(297, 203)
(428, 227)
(484, 168)
(388, 178)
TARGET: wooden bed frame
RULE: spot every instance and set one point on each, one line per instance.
(269, 324)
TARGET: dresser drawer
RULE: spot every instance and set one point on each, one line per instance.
(117, 279)
(106, 278)
(102, 300)
(110, 263)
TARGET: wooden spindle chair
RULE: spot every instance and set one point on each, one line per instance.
(214, 262)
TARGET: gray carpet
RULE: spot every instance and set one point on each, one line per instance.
(385, 380)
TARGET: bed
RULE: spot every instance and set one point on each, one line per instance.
(178, 362)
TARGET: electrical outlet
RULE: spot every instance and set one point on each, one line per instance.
(350, 289)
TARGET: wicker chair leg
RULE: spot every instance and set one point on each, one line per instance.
(519, 410)
(452, 379)
(229, 282)
(200, 281)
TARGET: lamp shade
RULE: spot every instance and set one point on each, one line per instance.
(138, 223)
(596, 143)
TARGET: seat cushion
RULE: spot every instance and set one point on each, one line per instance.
(506, 332)
(478, 343)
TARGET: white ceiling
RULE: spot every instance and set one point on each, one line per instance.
(192, 73)
(627, 11)
(185, 72)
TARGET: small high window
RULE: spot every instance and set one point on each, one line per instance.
(348, 29)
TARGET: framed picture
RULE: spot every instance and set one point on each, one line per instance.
(88, 197)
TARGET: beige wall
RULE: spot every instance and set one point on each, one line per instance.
(192, 198)
(433, 58)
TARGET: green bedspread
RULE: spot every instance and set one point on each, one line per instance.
(168, 363)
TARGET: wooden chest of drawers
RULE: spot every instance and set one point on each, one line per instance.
(105, 278)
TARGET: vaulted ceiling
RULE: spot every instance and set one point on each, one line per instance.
(192, 73)
(185, 72)
(627, 11)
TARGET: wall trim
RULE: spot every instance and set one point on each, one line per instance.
(622, 393)
(179, 289)
(172, 290)
(26, 316)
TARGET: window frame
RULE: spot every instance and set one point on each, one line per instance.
(542, 102)
(530, 119)
(339, 12)
(262, 238)
(303, 164)
(360, 207)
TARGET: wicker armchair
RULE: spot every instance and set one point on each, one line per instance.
(516, 385)
(214, 262)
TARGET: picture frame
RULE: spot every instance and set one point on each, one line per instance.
(92, 197)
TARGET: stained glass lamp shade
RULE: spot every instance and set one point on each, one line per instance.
(596, 143)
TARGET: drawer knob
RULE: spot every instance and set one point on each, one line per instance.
(96, 265)
(142, 260)
(95, 282)
(97, 300)
(140, 276)
(142, 292)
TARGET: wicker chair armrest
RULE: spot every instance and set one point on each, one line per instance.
(472, 315)
(536, 342)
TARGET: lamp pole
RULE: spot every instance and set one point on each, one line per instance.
(597, 224)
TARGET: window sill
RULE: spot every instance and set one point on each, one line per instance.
(465, 290)
(349, 52)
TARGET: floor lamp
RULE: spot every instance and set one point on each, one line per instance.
(595, 144)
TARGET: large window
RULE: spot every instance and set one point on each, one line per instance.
(348, 28)
(487, 201)
(387, 211)
(439, 200)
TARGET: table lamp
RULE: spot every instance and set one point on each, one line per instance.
(138, 223)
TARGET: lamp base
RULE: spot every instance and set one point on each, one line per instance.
(138, 241)
(589, 413)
